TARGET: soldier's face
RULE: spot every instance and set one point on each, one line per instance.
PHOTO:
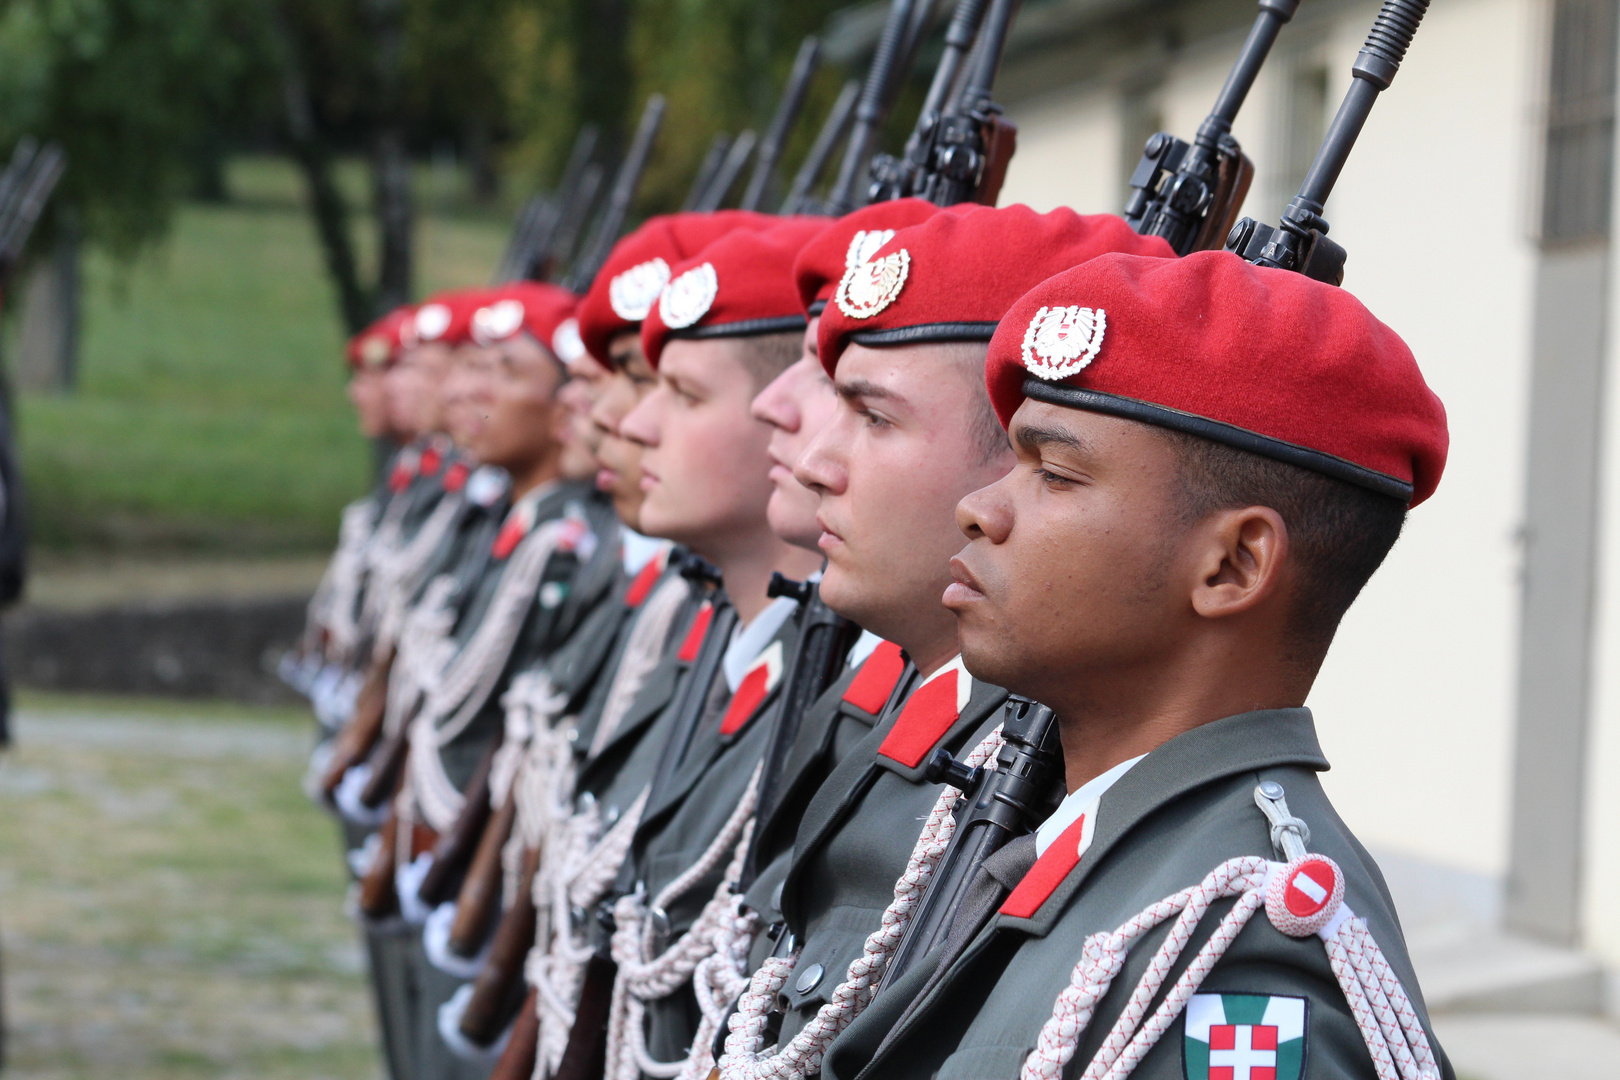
(797, 404)
(587, 380)
(1071, 572)
(890, 469)
(368, 393)
(415, 401)
(704, 470)
(618, 459)
(518, 387)
(464, 391)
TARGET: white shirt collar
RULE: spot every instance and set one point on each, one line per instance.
(638, 550)
(747, 642)
(1077, 802)
(864, 646)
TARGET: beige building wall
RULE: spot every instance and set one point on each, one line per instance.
(1437, 209)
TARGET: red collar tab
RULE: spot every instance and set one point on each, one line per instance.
(404, 470)
(870, 689)
(455, 477)
(1049, 870)
(432, 458)
(928, 714)
(519, 523)
(755, 687)
(694, 633)
(642, 584)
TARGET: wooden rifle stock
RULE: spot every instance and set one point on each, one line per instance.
(498, 990)
(585, 1057)
(479, 901)
(455, 848)
(1000, 142)
(360, 734)
(378, 898)
(387, 766)
(1234, 173)
(523, 1049)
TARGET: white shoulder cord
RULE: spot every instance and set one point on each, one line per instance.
(744, 1058)
(1389, 1024)
(342, 582)
(643, 976)
(642, 652)
(576, 871)
(397, 573)
(468, 680)
(424, 649)
(534, 766)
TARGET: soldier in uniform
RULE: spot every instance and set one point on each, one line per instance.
(1213, 458)
(903, 339)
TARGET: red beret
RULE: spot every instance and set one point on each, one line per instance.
(522, 306)
(1268, 361)
(637, 270)
(738, 286)
(952, 277)
(380, 344)
(851, 240)
(446, 318)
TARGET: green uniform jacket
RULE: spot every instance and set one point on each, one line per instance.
(856, 838)
(1179, 813)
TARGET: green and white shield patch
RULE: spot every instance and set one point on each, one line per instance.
(1244, 1037)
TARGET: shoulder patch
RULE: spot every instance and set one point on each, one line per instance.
(1244, 1037)
(868, 288)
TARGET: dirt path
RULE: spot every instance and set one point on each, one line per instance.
(171, 905)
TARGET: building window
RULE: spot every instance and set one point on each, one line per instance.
(1580, 122)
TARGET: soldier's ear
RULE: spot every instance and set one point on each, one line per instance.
(1239, 558)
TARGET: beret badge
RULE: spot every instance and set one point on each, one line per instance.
(1063, 340)
(432, 320)
(498, 322)
(865, 244)
(633, 293)
(688, 298)
(566, 342)
(869, 287)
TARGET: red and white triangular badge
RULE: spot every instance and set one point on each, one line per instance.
(694, 633)
(928, 714)
(756, 686)
(869, 690)
(519, 520)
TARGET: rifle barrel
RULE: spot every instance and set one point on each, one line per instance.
(741, 147)
(48, 167)
(873, 105)
(713, 159)
(787, 112)
(832, 129)
(624, 191)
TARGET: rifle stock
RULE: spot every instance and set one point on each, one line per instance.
(365, 725)
(378, 898)
(498, 990)
(455, 849)
(585, 1057)
(523, 1048)
(479, 900)
(387, 766)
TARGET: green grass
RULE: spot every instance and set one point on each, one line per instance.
(210, 409)
(172, 905)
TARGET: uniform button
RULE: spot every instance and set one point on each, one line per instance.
(810, 979)
(1271, 789)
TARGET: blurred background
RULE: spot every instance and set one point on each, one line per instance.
(249, 181)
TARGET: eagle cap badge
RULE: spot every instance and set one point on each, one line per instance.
(498, 322)
(865, 244)
(566, 342)
(688, 298)
(432, 320)
(1063, 340)
(633, 293)
(869, 287)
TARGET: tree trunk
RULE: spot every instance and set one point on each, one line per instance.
(48, 346)
(600, 31)
(391, 170)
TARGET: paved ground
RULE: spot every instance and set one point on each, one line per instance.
(170, 905)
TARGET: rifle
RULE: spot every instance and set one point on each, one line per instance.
(388, 762)
(890, 61)
(972, 143)
(532, 247)
(378, 896)
(730, 169)
(832, 129)
(825, 638)
(1006, 802)
(498, 990)
(1300, 242)
(896, 177)
(479, 901)
(365, 725)
(713, 158)
(787, 111)
(25, 202)
(538, 216)
(455, 848)
(624, 193)
(1190, 193)
(523, 1049)
(575, 215)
